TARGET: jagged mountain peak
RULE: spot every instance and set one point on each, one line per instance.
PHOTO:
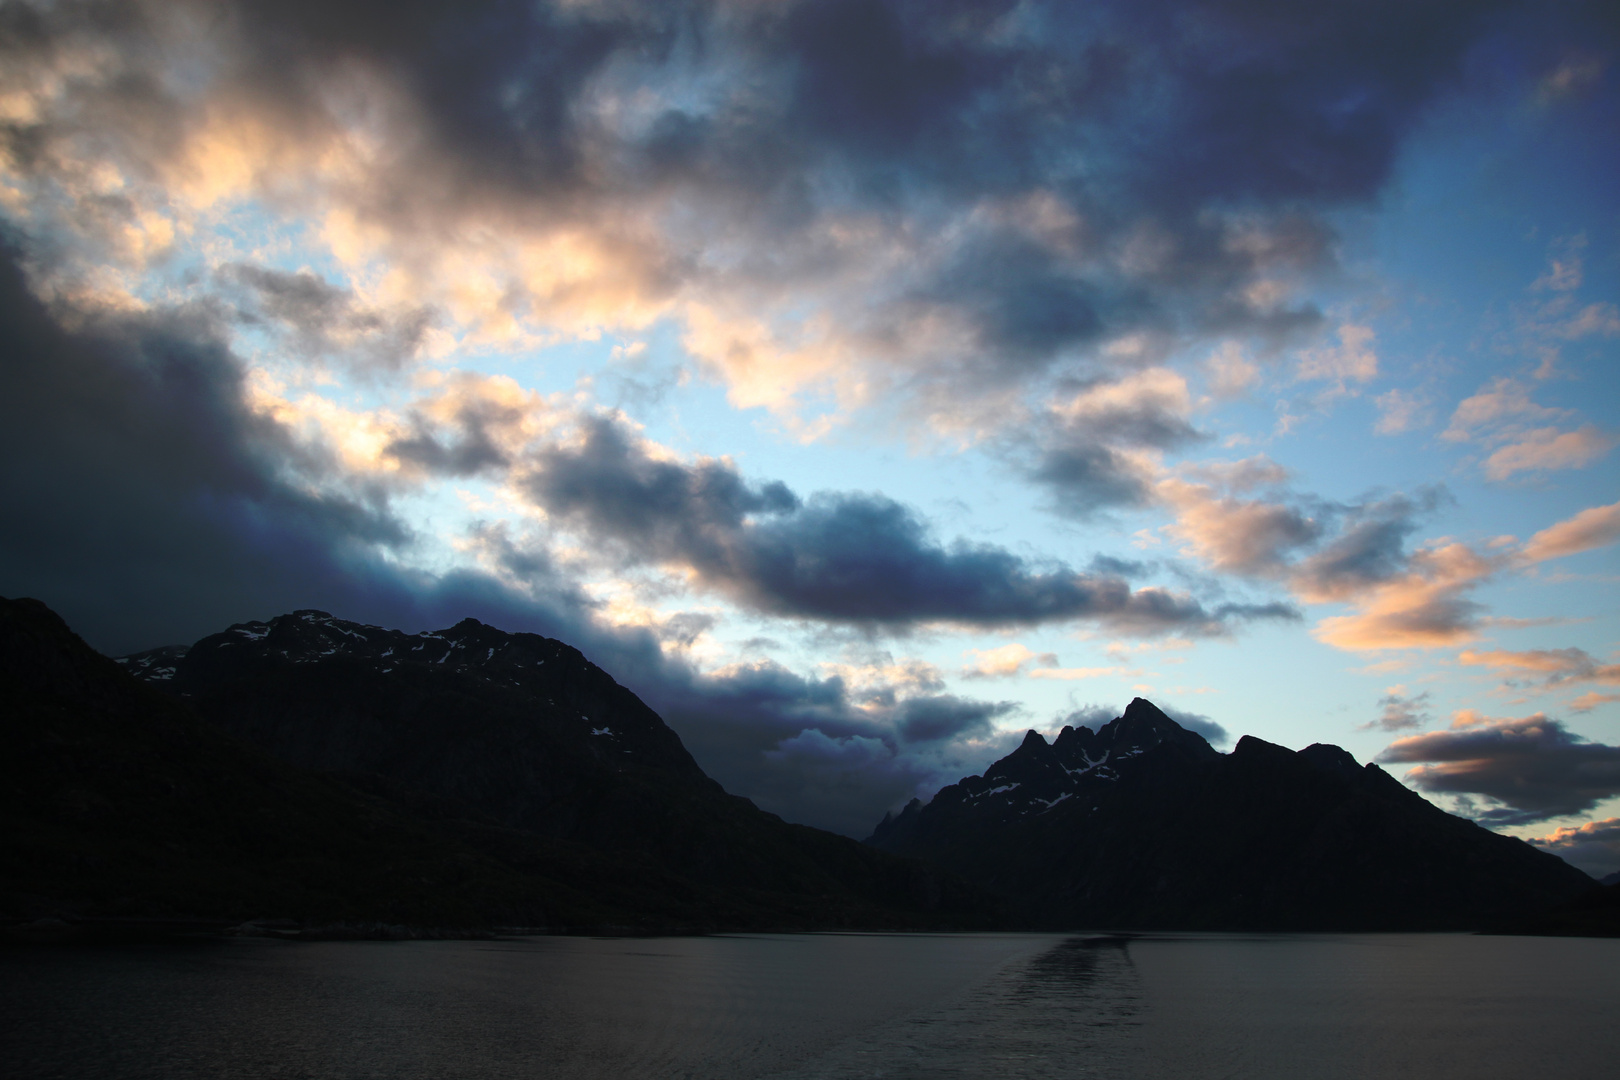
(309, 635)
(1039, 776)
(1142, 823)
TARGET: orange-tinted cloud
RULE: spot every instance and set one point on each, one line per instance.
(1591, 528)
(1594, 846)
(1231, 533)
(1552, 665)
(1004, 661)
(1426, 607)
(1547, 448)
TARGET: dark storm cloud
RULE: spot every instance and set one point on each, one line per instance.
(807, 749)
(854, 558)
(145, 500)
(1022, 300)
(945, 716)
(496, 79)
(1534, 768)
(1184, 150)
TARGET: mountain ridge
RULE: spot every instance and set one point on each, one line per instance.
(1142, 824)
(127, 797)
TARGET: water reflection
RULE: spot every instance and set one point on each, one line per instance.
(1069, 1010)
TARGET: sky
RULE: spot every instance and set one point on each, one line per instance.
(861, 383)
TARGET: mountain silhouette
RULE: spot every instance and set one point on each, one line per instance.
(321, 772)
(1143, 824)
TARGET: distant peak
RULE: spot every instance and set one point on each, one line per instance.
(1033, 736)
(1143, 709)
(1330, 758)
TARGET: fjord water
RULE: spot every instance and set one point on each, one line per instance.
(817, 1007)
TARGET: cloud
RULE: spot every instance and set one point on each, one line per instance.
(324, 320)
(1565, 267)
(1004, 661)
(1501, 414)
(1400, 713)
(840, 557)
(1352, 361)
(143, 494)
(1594, 846)
(1010, 660)
(1592, 320)
(468, 424)
(1593, 527)
(930, 719)
(1368, 552)
(1329, 553)
(1090, 446)
(1086, 477)
(1426, 606)
(1530, 769)
(1212, 732)
(846, 198)
(1231, 371)
(1552, 666)
(1545, 449)
(820, 751)
(1357, 554)
(1238, 535)
(1399, 412)
(1501, 400)
(1073, 674)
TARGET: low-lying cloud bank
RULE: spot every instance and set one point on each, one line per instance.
(1524, 770)
(1594, 846)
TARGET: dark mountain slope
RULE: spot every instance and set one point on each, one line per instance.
(520, 731)
(1143, 824)
(121, 800)
(118, 801)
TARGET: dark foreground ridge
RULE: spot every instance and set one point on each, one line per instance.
(322, 778)
(1142, 824)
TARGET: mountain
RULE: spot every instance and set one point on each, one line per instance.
(520, 729)
(1144, 824)
(117, 802)
(322, 771)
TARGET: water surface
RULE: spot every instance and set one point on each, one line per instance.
(820, 1007)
